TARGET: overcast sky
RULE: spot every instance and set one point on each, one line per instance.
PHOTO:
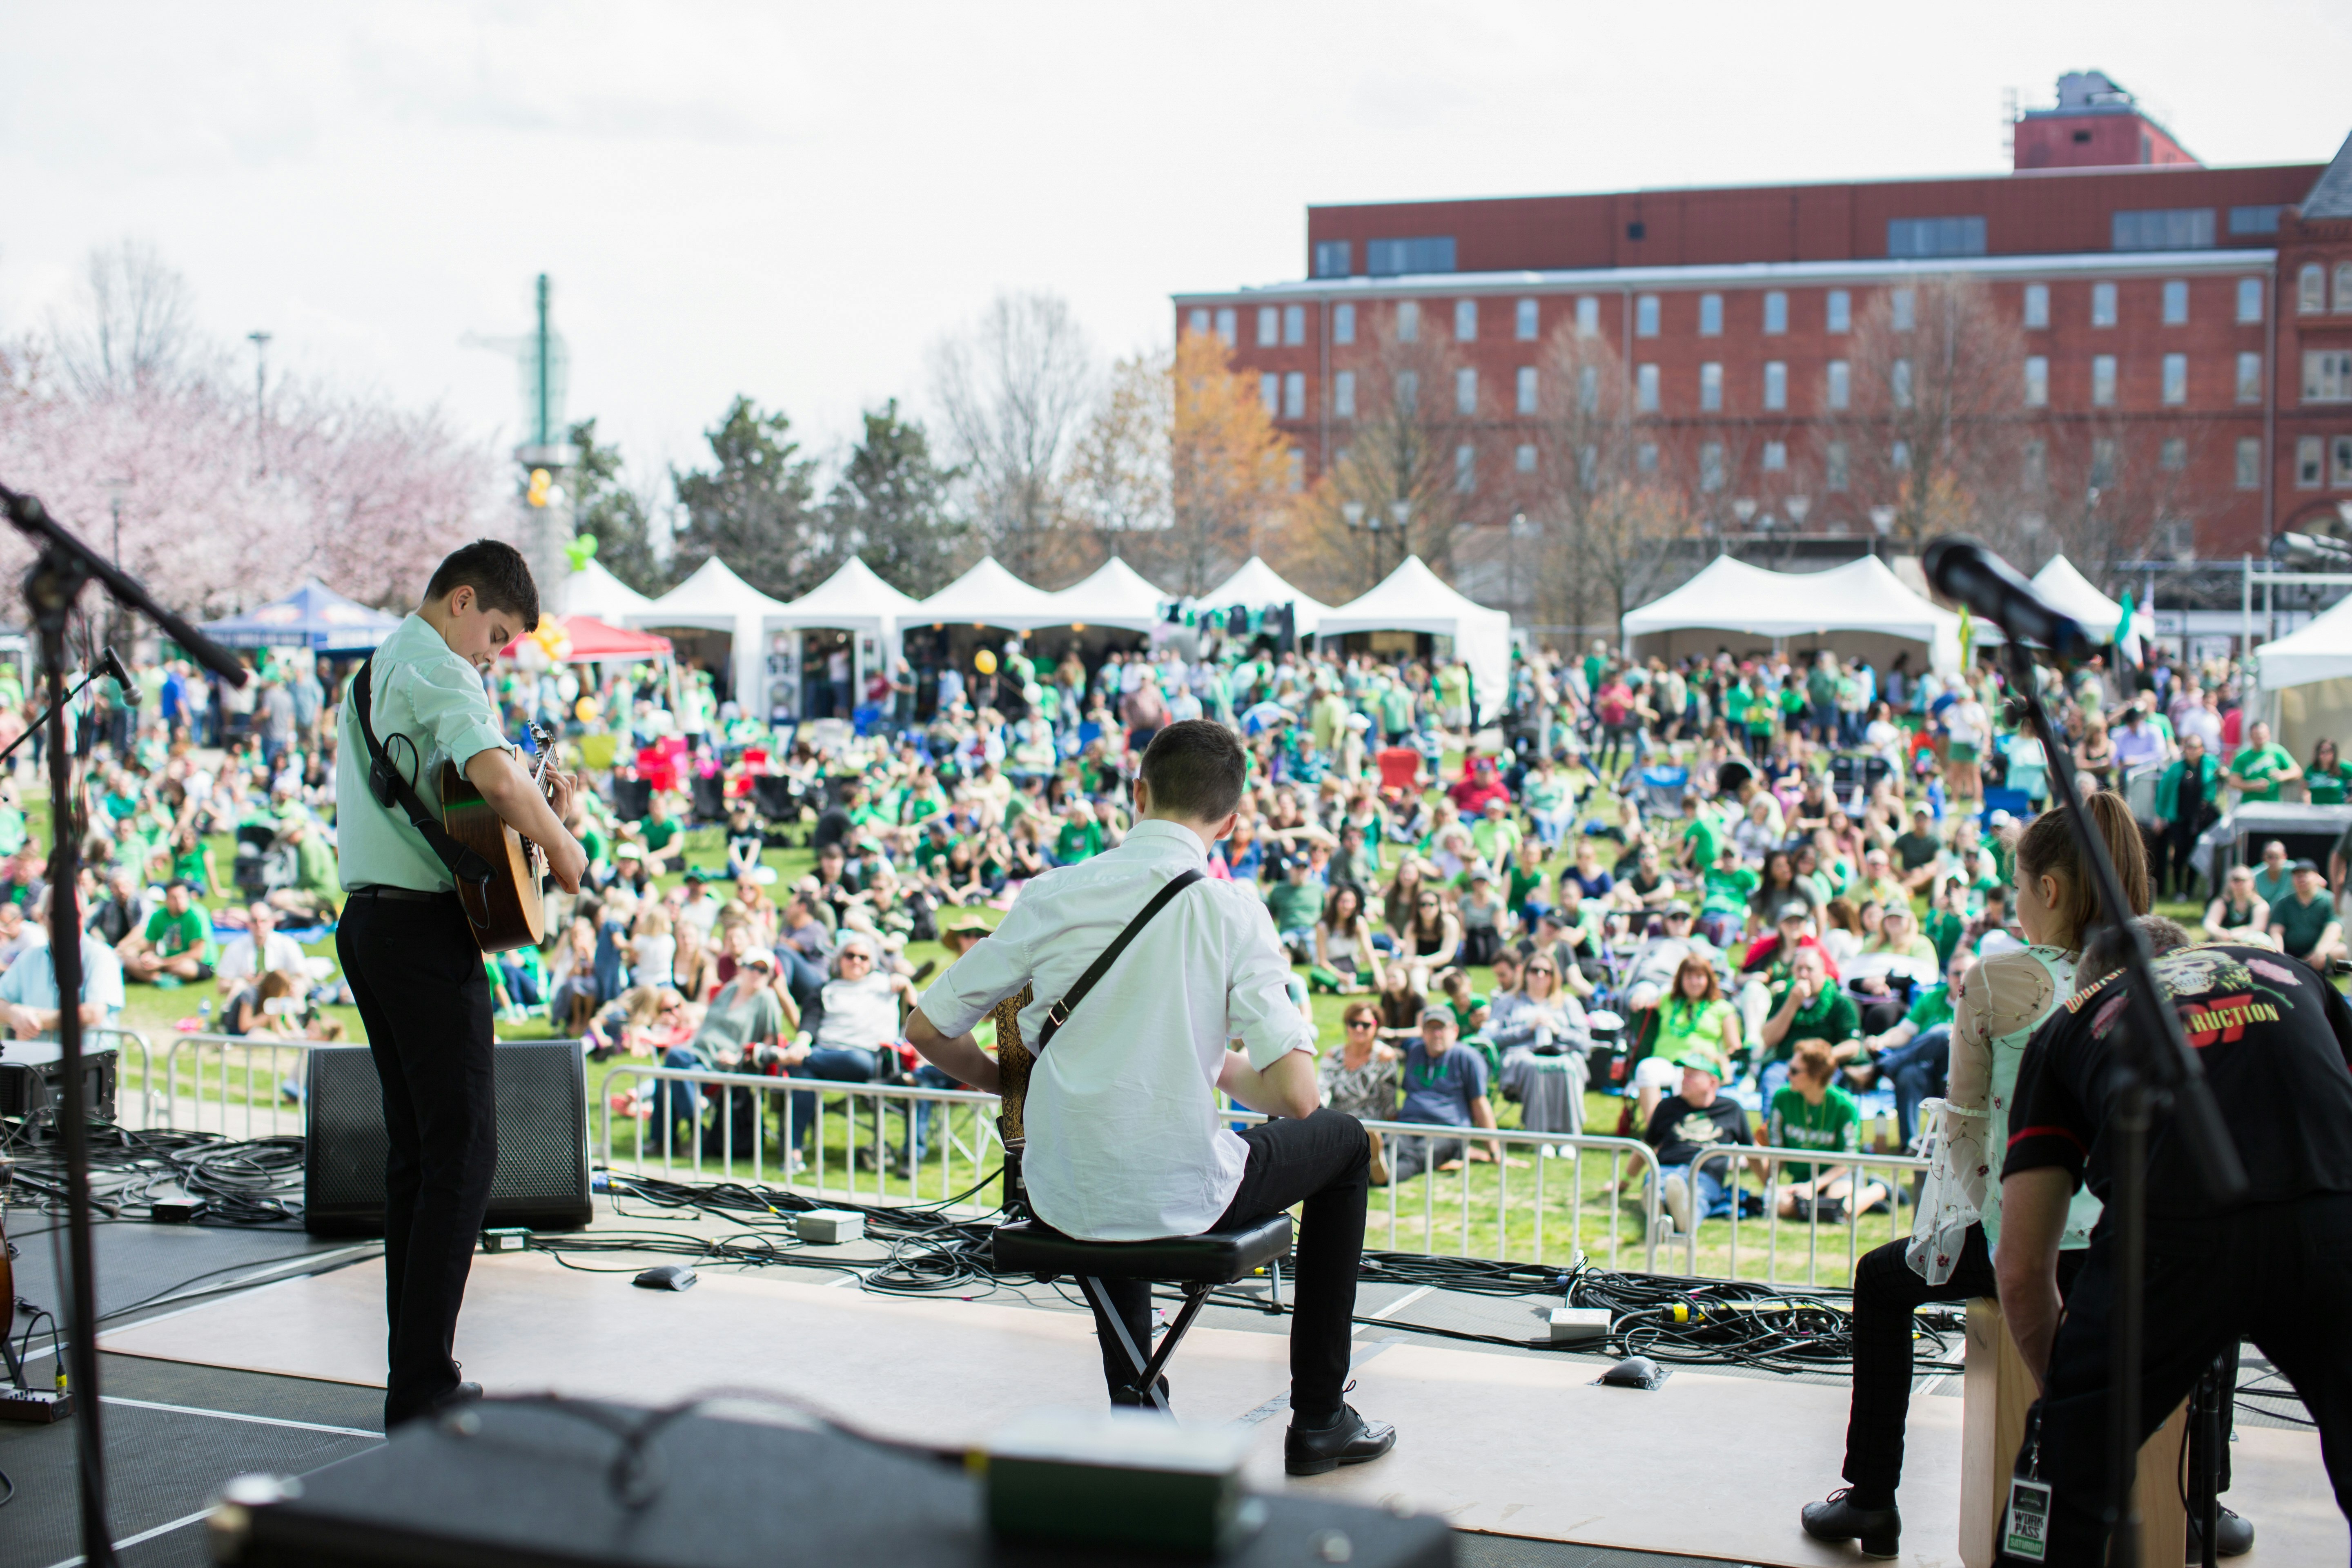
(793, 201)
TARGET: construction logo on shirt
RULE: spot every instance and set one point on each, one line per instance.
(2217, 992)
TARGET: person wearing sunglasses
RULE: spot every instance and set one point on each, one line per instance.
(1431, 938)
(1361, 1077)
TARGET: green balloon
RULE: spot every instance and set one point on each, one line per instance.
(582, 550)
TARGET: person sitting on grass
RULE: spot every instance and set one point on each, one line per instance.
(1360, 1078)
(1812, 1007)
(176, 946)
(1688, 1131)
(28, 991)
(1444, 1085)
(260, 949)
(1811, 1111)
(749, 1011)
(1344, 957)
(2304, 922)
(858, 1035)
(1913, 1053)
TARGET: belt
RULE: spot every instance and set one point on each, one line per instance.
(406, 895)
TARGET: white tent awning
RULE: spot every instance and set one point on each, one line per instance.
(1113, 594)
(989, 595)
(1256, 587)
(715, 599)
(1412, 599)
(2320, 649)
(1862, 596)
(594, 591)
(853, 599)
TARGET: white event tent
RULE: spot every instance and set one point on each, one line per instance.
(853, 600)
(2305, 679)
(594, 591)
(989, 595)
(1412, 599)
(1256, 587)
(1113, 594)
(715, 599)
(1864, 597)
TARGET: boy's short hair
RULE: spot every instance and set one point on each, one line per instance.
(1196, 770)
(496, 572)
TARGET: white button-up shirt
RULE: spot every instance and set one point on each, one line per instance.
(1124, 1139)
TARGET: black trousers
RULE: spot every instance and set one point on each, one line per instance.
(424, 999)
(2277, 1274)
(2176, 867)
(1325, 1163)
(1887, 1291)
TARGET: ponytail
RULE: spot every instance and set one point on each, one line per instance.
(2046, 848)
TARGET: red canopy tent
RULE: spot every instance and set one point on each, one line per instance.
(592, 640)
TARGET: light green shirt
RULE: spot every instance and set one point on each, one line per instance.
(423, 690)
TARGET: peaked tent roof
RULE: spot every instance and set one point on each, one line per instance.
(2320, 649)
(853, 596)
(1862, 596)
(1113, 594)
(989, 595)
(1256, 586)
(2331, 196)
(594, 591)
(1725, 594)
(313, 617)
(712, 594)
(1412, 599)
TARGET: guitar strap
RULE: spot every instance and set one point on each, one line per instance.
(1059, 1013)
(393, 792)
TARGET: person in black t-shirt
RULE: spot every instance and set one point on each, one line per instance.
(2276, 1043)
(1685, 1129)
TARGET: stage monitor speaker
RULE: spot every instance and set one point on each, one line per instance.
(542, 1102)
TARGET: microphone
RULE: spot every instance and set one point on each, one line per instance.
(109, 665)
(1962, 569)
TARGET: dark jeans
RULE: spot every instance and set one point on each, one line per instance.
(2178, 870)
(1885, 1292)
(1325, 1161)
(2277, 1274)
(1916, 1070)
(841, 1064)
(425, 1001)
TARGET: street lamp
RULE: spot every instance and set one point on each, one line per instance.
(1797, 507)
(1882, 517)
(1744, 508)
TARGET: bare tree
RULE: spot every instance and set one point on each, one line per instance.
(132, 327)
(1013, 389)
(1120, 465)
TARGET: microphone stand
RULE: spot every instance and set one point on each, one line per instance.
(2154, 1069)
(34, 728)
(65, 565)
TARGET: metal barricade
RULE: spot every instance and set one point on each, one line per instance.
(251, 1084)
(123, 1042)
(1857, 1168)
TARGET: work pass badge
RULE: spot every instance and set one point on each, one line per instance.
(2025, 1527)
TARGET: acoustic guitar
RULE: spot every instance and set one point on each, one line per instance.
(509, 910)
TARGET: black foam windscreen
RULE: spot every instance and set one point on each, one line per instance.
(543, 1115)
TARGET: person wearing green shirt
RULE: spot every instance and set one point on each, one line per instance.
(1811, 1006)
(2304, 920)
(1494, 836)
(1294, 903)
(2260, 769)
(661, 831)
(1728, 884)
(1811, 1112)
(176, 946)
(2328, 774)
(1081, 837)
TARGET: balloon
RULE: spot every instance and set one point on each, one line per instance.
(582, 550)
(586, 709)
(984, 661)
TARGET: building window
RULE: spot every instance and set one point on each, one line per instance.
(2165, 228)
(1711, 387)
(1710, 466)
(2173, 455)
(2176, 378)
(1776, 385)
(2254, 220)
(1840, 393)
(1293, 324)
(1710, 315)
(1646, 457)
(1294, 396)
(1523, 320)
(2102, 304)
(2340, 474)
(1338, 457)
(1343, 324)
(2249, 463)
(1269, 326)
(2328, 375)
(1408, 321)
(1645, 389)
(1527, 379)
(1465, 393)
(2037, 305)
(1834, 465)
(1899, 457)
(1588, 316)
(1776, 313)
(1197, 322)
(1269, 391)
(1465, 320)
(1838, 311)
(2102, 462)
(1465, 469)
(2250, 378)
(2103, 380)
(2310, 290)
(1298, 470)
(1343, 394)
(1917, 236)
(1776, 456)
(1588, 388)
(2310, 455)
(1903, 302)
(1408, 393)
(1645, 316)
(2176, 302)
(1225, 326)
(2037, 464)
(1331, 257)
(2343, 287)
(1523, 457)
(2250, 300)
(1399, 258)
(2037, 381)
(1898, 383)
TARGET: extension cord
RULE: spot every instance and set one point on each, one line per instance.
(37, 1406)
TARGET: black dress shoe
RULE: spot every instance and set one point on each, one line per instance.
(2234, 1537)
(1879, 1529)
(1349, 1440)
(464, 1394)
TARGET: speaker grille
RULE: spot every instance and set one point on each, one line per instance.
(542, 1107)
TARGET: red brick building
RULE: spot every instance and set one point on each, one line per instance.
(2203, 315)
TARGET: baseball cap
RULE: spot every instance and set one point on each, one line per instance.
(1678, 908)
(1796, 909)
(2312, 865)
(1435, 1011)
(759, 957)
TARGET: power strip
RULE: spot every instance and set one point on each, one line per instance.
(37, 1406)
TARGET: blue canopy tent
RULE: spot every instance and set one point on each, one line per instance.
(314, 617)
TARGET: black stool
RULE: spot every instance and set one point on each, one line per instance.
(1199, 1263)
